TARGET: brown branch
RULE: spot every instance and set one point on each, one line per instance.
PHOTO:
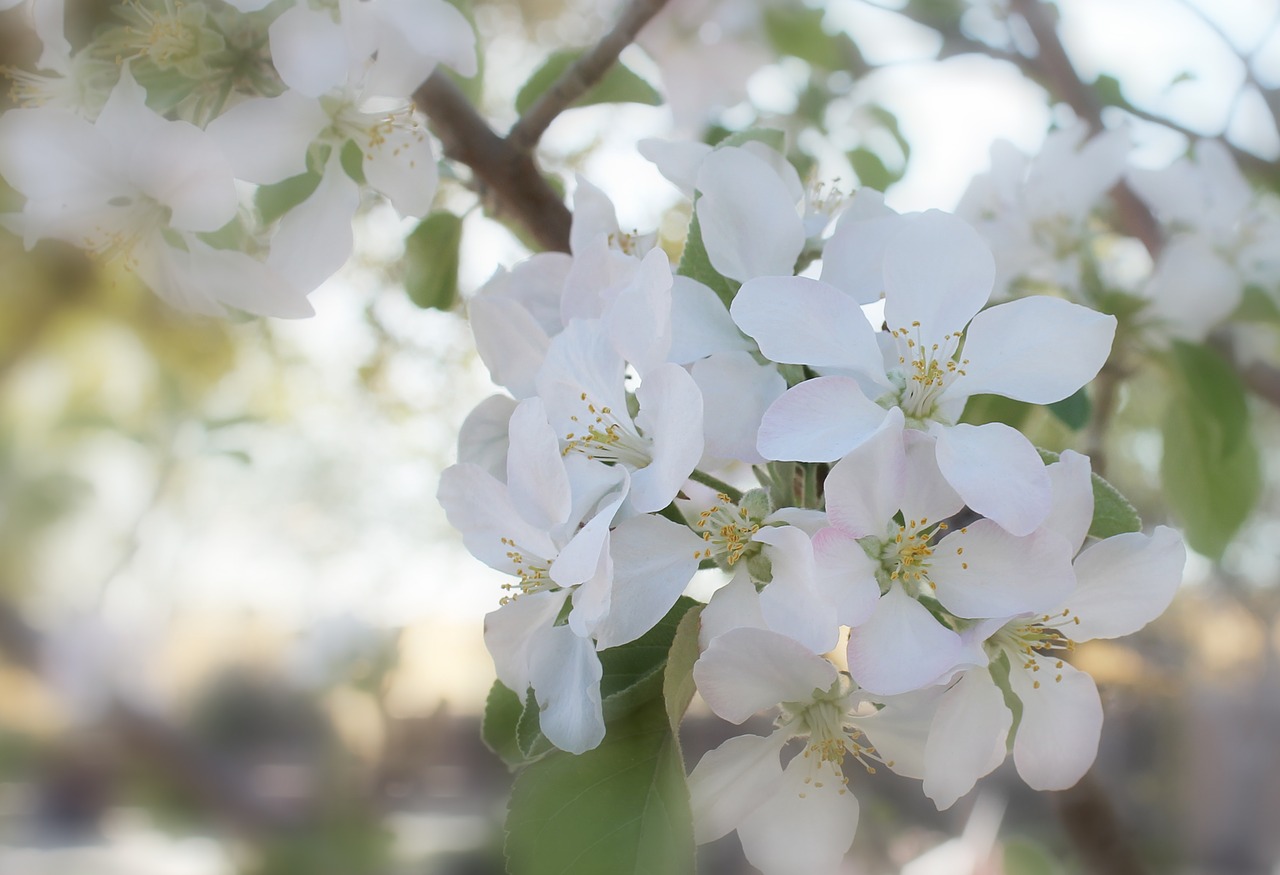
(581, 75)
(510, 178)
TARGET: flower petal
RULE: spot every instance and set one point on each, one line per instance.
(967, 738)
(671, 416)
(1125, 582)
(512, 629)
(998, 474)
(654, 559)
(736, 392)
(845, 576)
(1072, 512)
(266, 139)
(536, 480)
(790, 603)
(315, 239)
(983, 571)
(803, 827)
(865, 488)
(309, 50)
(700, 324)
(748, 218)
(565, 674)
(901, 648)
(819, 420)
(1061, 724)
(734, 605)
(731, 781)
(748, 670)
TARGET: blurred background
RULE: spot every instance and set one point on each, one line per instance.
(237, 634)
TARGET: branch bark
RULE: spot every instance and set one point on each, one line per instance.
(510, 178)
(582, 75)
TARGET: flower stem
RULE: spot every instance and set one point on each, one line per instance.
(735, 495)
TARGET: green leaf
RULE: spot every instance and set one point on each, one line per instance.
(798, 31)
(619, 85)
(431, 261)
(981, 409)
(871, 169)
(696, 264)
(677, 679)
(771, 137)
(352, 160)
(633, 673)
(1073, 410)
(1107, 88)
(621, 809)
(529, 738)
(1022, 856)
(1210, 468)
(1112, 512)
(1257, 306)
(890, 123)
(502, 711)
(275, 200)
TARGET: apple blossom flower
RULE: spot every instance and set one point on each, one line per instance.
(929, 364)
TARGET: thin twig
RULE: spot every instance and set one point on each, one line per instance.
(510, 178)
(581, 75)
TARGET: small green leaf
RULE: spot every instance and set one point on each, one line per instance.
(529, 738)
(502, 712)
(1257, 306)
(275, 200)
(1074, 410)
(431, 261)
(352, 160)
(677, 681)
(1107, 87)
(633, 673)
(1112, 512)
(1210, 468)
(619, 85)
(798, 31)
(696, 264)
(621, 809)
(871, 169)
(982, 409)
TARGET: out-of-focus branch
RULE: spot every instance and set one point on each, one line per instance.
(1090, 820)
(510, 178)
(582, 75)
(1068, 86)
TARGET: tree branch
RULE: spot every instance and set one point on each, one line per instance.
(582, 75)
(510, 178)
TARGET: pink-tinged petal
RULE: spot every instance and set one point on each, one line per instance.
(901, 648)
(266, 139)
(314, 239)
(983, 571)
(804, 827)
(1061, 724)
(510, 342)
(865, 488)
(677, 160)
(853, 259)
(748, 218)
(798, 320)
(512, 629)
(998, 473)
(309, 50)
(967, 739)
(700, 324)
(790, 603)
(938, 272)
(736, 391)
(1072, 512)
(400, 164)
(670, 416)
(1124, 582)
(477, 505)
(845, 576)
(241, 281)
(654, 559)
(819, 420)
(731, 781)
(482, 437)
(926, 496)
(639, 318)
(734, 605)
(536, 480)
(748, 670)
(565, 674)
(1036, 349)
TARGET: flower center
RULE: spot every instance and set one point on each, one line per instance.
(532, 573)
(728, 530)
(1036, 644)
(926, 372)
(601, 434)
(831, 736)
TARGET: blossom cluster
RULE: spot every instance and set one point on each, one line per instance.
(903, 589)
(141, 145)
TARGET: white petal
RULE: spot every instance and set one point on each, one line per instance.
(802, 828)
(748, 670)
(594, 216)
(1125, 582)
(802, 321)
(926, 495)
(670, 416)
(736, 391)
(510, 342)
(181, 167)
(998, 474)
(819, 420)
(939, 272)
(967, 739)
(1036, 349)
(565, 674)
(1061, 724)
(309, 50)
(654, 560)
(315, 238)
(1192, 289)
(700, 324)
(677, 160)
(400, 164)
(748, 218)
(478, 506)
(1072, 513)
(435, 29)
(845, 576)
(900, 730)
(639, 318)
(731, 781)
(790, 603)
(536, 479)
(512, 629)
(983, 571)
(266, 139)
(901, 648)
(482, 437)
(853, 259)
(865, 488)
(732, 606)
(241, 281)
